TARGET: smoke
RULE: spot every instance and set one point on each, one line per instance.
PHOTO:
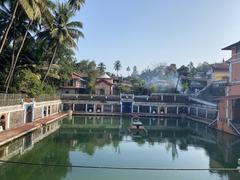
(163, 78)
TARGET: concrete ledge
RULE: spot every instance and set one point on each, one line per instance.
(12, 134)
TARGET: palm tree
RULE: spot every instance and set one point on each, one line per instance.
(117, 66)
(76, 4)
(61, 32)
(34, 10)
(101, 67)
(128, 70)
(11, 20)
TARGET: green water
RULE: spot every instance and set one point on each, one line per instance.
(105, 141)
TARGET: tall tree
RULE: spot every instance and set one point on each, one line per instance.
(34, 10)
(61, 32)
(135, 71)
(10, 22)
(117, 66)
(101, 67)
(128, 70)
(76, 4)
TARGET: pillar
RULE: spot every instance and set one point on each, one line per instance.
(165, 111)
(150, 109)
(177, 123)
(112, 108)
(150, 122)
(85, 107)
(161, 97)
(188, 110)
(85, 120)
(177, 110)
(175, 98)
(206, 113)
(138, 109)
(73, 107)
(120, 107)
(158, 110)
(102, 108)
(197, 111)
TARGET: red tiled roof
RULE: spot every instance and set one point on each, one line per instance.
(221, 66)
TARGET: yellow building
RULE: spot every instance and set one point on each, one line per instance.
(220, 71)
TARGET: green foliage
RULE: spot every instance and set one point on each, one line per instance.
(117, 66)
(49, 90)
(29, 83)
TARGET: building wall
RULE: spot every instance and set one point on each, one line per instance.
(15, 115)
(54, 109)
(235, 69)
(234, 90)
(38, 112)
(16, 119)
(68, 91)
(107, 88)
(219, 75)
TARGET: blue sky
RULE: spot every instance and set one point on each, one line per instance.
(149, 32)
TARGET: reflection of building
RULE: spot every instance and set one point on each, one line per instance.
(76, 85)
(220, 71)
(229, 106)
(104, 85)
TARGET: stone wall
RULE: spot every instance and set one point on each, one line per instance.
(16, 119)
(54, 109)
(38, 113)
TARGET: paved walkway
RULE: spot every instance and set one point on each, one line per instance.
(11, 134)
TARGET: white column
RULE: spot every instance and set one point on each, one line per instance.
(161, 97)
(158, 110)
(150, 109)
(197, 111)
(102, 108)
(138, 109)
(112, 108)
(73, 107)
(177, 109)
(177, 123)
(188, 110)
(175, 98)
(85, 107)
(150, 122)
(121, 107)
(166, 110)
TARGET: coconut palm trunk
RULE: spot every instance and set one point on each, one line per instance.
(12, 63)
(51, 62)
(5, 35)
(11, 72)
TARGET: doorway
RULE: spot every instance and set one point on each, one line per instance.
(127, 107)
(29, 113)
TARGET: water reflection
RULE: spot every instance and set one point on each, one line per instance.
(107, 141)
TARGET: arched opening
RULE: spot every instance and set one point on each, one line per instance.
(236, 111)
(29, 114)
(45, 111)
(162, 110)
(98, 108)
(102, 92)
(3, 122)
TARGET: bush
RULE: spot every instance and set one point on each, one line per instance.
(29, 83)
